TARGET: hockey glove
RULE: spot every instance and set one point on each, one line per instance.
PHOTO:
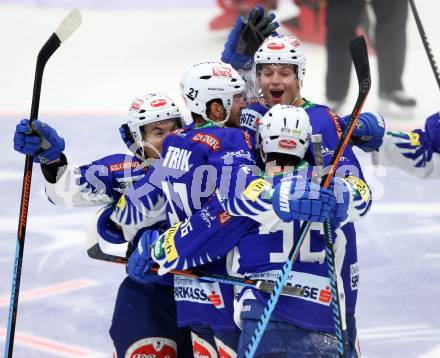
(369, 131)
(341, 191)
(432, 130)
(302, 200)
(39, 140)
(246, 37)
(141, 262)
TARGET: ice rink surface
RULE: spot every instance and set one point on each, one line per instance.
(66, 299)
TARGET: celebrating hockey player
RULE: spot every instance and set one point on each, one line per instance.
(302, 325)
(139, 325)
(198, 162)
(417, 152)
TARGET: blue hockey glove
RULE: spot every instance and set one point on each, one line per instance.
(126, 136)
(140, 262)
(369, 131)
(39, 140)
(246, 37)
(432, 130)
(341, 191)
(302, 200)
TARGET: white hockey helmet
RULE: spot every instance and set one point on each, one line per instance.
(148, 109)
(282, 50)
(284, 129)
(205, 81)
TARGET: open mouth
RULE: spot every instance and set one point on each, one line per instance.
(276, 95)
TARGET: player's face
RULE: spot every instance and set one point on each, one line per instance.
(279, 84)
(154, 135)
(237, 105)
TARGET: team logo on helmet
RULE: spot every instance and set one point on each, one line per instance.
(154, 347)
(275, 46)
(158, 102)
(136, 105)
(294, 41)
(221, 72)
(287, 144)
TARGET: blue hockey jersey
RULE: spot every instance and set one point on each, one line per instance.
(260, 253)
(197, 163)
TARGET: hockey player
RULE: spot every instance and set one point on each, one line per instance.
(416, 152)
(199, 161)
(139, 325)
(300, 326)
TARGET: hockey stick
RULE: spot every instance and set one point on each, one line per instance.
(95, 252)
(338, 311)
(359, 54)
(425, 41)
(67, 27)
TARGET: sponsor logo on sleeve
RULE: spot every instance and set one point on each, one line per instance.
(336, 123)
(247, 119)
(207, 217)
(414, 139)
(238, 154)
(122, 203)
(360, 186)
(152, 347)
(116, 167)
(255, 188)
(169, 244)
(209, 140)
(354, 276)
(224, 217)
(178, 132)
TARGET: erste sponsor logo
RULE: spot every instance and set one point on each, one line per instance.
(116, 167)
(191, 290)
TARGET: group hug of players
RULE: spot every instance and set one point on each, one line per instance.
(227, 193)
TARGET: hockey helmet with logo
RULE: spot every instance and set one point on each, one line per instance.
(285, 129)
(148, 109)
(282, 50)
(206, 81)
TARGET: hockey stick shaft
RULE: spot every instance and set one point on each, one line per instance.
(330, 254)
(358, 50)
(67, 27)
(338, 317)
(425, 42)
(95, 252)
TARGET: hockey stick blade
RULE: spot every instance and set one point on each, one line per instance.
(96, 253)
(67, 27)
